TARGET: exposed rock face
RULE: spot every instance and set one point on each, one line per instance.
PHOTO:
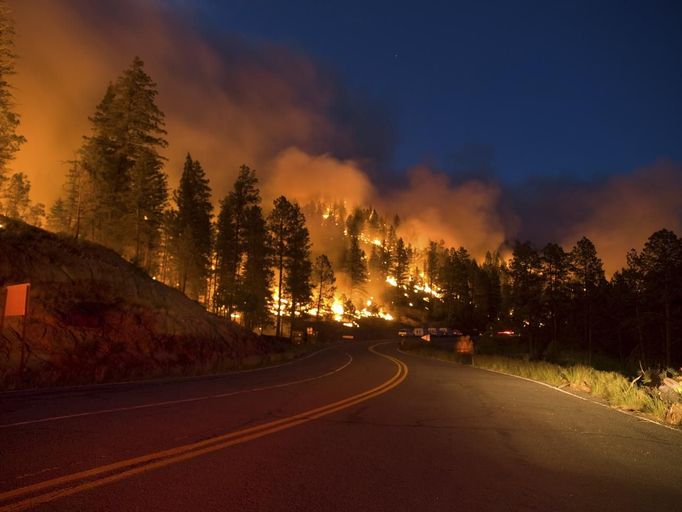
(94, 316)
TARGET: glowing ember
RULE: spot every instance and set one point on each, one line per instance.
(425, 288)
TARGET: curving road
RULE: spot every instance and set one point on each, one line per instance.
(353, 427)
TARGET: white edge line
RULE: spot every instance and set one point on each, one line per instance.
(610, 407)
(181, 401)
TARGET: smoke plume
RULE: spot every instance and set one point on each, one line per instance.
(233, 102)
(433, 208)
(305, 178)
(624, 211)
(228, 103)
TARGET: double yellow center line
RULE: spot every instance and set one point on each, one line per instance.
(103, 475)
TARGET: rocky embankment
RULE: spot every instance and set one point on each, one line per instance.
(94, 317)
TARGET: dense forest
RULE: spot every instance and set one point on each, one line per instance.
(267, 266)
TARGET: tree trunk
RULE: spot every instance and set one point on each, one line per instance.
(235, 267)
(319, 303)
(278, 329)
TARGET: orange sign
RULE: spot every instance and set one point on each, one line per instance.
(464, 345)
(16, 302)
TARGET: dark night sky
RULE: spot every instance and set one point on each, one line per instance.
(538, 88)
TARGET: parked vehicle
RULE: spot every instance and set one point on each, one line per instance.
(402, 333)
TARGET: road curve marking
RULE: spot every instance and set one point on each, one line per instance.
(131, 467)
(180, 401)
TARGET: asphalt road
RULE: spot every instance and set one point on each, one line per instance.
(344, 429)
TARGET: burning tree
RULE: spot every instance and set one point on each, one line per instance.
(190, 228)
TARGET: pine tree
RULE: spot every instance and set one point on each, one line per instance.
(36, 214)
(290, 249)
(58, 218)
(77, 203)
(16, 198)
(555, 267)
(191, 228)
(401, 263)
(432, 260)
(105, 162)
(254, 296)
(355, 261)
(633, 277)
(148, 197)
(299, 266)
(10, 140)
(587, 274)
(491, 294)
(280, 221)
(660, 263)
(122, 157)
(325, 284)
(17, 201)
(232, 237)
(455, 284)
(526, 290)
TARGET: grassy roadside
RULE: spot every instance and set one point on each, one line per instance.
(611, 387)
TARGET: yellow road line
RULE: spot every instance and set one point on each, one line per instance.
(181, 453)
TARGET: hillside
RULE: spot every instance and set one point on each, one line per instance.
(94, 317)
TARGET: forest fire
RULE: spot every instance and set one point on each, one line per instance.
(433, 248)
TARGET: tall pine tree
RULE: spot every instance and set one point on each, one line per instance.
(232, 242)
(279, 221)
(290, 249)
(122, 159)
(587, 276)
(191, 229)
(298, 265)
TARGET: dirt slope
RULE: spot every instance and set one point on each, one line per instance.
(95, 317)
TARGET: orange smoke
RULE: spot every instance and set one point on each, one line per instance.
(433, 208)
(622, 213)
(226, 105)
(305, 178)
